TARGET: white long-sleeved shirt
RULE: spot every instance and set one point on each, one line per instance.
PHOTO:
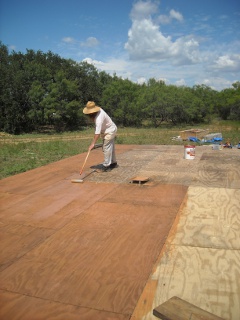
(104, 123)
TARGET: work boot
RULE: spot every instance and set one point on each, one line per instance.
(104, 169)
(113, 165)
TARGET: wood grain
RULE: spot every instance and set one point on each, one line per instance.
(201, 276)
(99, 250)
(14, 306)
(102, 258)
(200, 261)
(210, 219)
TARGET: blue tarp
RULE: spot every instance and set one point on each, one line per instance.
(193, 139)
(214, 140)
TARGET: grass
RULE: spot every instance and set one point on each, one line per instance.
(24, 152)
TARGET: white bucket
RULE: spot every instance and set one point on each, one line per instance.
(189, 152)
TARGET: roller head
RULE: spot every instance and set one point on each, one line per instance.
(77, 180)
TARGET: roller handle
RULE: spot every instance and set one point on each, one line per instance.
(84, 162)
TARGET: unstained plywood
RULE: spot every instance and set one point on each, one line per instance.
(201, 259)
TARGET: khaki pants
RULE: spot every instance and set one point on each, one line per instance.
(109, 148)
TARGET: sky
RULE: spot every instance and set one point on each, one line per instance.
(182, 42)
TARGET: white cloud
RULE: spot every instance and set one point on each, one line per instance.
(90, 42)
(147, 43)
(68, 40)
(142, 10)
(216, 83)
(181, 82)
(119, 66)
(163, 19)
(176, 15)
(180, 60)
(228, 63)
(185, 51)
(12, 47)
(173, 14)
(141, 80)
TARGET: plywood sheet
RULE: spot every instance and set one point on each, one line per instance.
(54, 205)
(207, 169)
(14, 306)
(203, 277)
(36, 179)
(102, 259)
(7, 200)
(201, 258)
(210, 218)
(14, 245)
(102, 244)
(168, 196)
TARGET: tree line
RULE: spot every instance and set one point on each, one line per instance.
(42, 89)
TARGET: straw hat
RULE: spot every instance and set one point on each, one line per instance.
(91, 108)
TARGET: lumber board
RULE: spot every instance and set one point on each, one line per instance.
(179, 309)
(139, 179)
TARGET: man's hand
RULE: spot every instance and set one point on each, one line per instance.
(96, 137)
(91, 146)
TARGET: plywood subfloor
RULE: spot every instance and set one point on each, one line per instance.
(88, 247)
(102, 249)
(201, 259)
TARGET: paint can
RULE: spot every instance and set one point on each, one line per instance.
(189, 152)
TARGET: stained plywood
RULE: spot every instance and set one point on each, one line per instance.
(14, 306)
(17, 240)
(102, 262)
(7, 200)
(168, 196)
(36, 179)
(54, 205)
(30, 221)
(101, 258)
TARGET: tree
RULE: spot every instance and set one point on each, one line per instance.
(61, 103)
(120, 101)
(229, 102)
(4, 91)
(38, 89)
(154, 102)
(208, 98)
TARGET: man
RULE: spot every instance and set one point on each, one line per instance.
(106, 127)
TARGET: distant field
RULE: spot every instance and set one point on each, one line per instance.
(24, 152)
